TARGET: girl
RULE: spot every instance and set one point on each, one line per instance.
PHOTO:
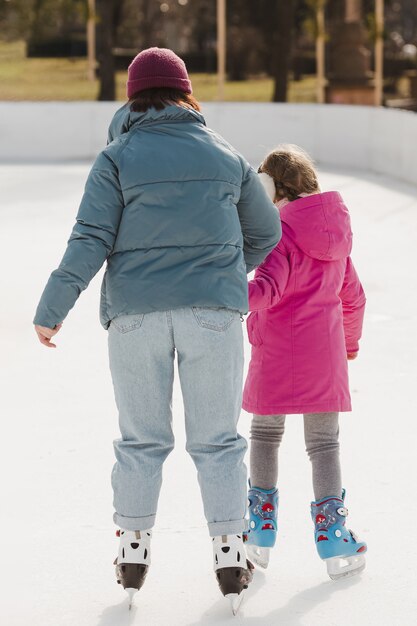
(179, 217)
(307, 310)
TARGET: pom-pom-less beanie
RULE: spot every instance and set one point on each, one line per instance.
(157, 67)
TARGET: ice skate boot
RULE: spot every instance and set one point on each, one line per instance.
(336, 545)
(133, 560)
(263, 524)
(233, 571)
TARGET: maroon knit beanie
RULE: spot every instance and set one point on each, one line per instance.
(157, 67)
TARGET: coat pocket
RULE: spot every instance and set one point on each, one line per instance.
(127, 323)
(218, 319)
(252, 325)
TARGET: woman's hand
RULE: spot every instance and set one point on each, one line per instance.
(45, 334)
(351, 356)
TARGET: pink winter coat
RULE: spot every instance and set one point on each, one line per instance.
(308, 306)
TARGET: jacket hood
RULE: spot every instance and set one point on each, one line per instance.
(319, 225)
(124, 118)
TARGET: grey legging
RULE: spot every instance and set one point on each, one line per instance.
(321, 431)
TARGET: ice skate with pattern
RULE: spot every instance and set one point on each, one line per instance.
(263, 524)
(336, 545)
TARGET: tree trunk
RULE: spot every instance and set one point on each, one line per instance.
(148, 12)
(107, 13)
(282, 48)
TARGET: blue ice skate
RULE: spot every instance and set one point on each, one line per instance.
(263, 524)
(336, 545)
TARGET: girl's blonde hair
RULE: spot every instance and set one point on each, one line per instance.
(292, 170)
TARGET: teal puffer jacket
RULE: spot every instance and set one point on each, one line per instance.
(177, 213)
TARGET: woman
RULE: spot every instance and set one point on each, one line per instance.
(180, 217)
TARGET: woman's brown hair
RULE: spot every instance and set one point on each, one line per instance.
(161, 97)
(292, 170)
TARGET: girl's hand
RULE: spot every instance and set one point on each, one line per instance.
(45, 334)
(351, 356)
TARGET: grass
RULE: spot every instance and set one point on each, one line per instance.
(66, 79)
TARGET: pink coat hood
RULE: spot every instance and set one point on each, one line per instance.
(319, 225)
(307, 308)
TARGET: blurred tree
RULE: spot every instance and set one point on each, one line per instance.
(269, 36)
(204, 23)
(109, 13)
(150, 13)
(238, 42)
(54, 19)
(15, 18)
(282, 48)
(138, 23)
(263, 40)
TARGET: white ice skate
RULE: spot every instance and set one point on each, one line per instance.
(233, 571)
(133, 560)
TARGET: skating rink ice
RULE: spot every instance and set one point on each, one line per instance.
(59, 419)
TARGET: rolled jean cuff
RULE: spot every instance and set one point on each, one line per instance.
(134, 523)
(231, 527)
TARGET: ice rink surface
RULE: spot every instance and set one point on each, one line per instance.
(59, 419)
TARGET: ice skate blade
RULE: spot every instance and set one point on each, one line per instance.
(345, 567)
(235, 601)
(258, 555)
(131, 594)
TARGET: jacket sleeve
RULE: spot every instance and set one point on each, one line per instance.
(91, 242)
(268, 285)
(259, 220)
(353, 303)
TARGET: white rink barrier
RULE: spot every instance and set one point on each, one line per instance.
(363, 138)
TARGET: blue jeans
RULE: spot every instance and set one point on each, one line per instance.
(209, 345)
